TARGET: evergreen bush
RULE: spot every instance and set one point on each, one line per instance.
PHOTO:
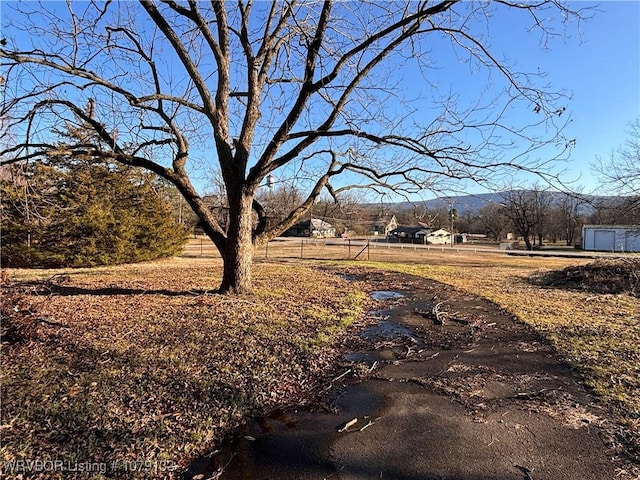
(85, 213)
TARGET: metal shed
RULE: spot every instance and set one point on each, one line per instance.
(611, 238)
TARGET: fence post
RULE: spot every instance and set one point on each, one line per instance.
(200, 247)
(302, 248)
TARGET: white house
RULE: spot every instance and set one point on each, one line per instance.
(611, 238)
(383, 225)
(314, 228)
(422, 235)
(439, 237)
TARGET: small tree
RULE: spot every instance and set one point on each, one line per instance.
(85, 213)
(521, 207)
(313, 90)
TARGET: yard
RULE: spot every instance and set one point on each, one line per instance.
(144, 367)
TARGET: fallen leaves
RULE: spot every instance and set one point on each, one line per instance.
(147, 364)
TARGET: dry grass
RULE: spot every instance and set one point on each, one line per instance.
(142, 364)
(597, 333)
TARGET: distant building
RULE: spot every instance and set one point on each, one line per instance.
(408, 234)
(383, 225)
(422, 235)
(611, 238)
(440, 237)
(314, 228)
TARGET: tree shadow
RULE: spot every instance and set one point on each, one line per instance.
(43, 288)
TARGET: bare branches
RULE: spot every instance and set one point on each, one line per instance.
(295, 214)
(182, 52)
(306, 90)
(313, 90)
(621, 172)
(406, 26)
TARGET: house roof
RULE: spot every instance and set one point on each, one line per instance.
(314, 224)
(318, 224)
(608, 227)
(408, 230)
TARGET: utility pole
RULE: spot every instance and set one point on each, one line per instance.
(452, 214)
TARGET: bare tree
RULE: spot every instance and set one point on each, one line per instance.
(278, 201)
(541, 201)
(523, 208)
(620, 174)
(570, 216)
(494, 220)
(615, 211)
(621, 171)
(308, 90)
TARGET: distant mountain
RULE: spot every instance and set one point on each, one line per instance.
(465, 203)
(473, 203)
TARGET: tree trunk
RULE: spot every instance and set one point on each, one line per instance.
(570, 235)
(237, 256)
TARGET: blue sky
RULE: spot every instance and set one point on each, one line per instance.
(597, 63)
(604, 74)
(601, 70)
(599, 66)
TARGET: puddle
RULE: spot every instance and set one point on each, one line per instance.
(386, 330)
(275, 422)
(382, 295)
(298, 447)
(291, 441)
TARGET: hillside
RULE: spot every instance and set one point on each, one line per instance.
(475, 202)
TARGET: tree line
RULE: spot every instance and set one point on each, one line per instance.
(535, 214)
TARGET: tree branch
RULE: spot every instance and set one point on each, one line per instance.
(296, 213)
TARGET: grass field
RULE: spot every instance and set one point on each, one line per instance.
(145, 363)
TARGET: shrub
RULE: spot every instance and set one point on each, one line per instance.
(85, 213)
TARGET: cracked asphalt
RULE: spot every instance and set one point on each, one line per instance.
(478, 397)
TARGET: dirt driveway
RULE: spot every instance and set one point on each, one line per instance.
(454, 388)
